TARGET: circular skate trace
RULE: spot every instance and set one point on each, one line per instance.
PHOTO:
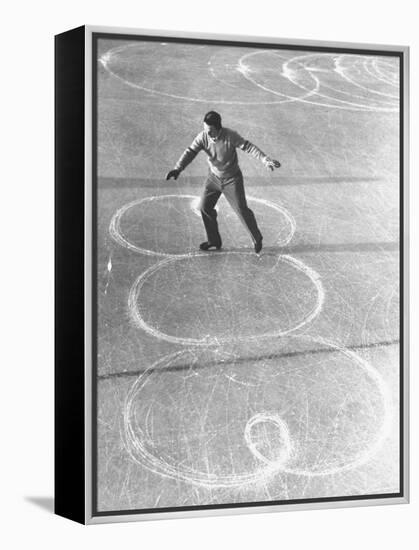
(340, 81)
(284, 436)
(179, 223)
(228, 70)
(238, 296)
(209, 415)
(213, 432)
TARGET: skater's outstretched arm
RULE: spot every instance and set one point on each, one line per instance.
(271, 164)
(248, 147)
(186, 158)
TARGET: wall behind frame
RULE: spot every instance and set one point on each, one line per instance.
(28, 266)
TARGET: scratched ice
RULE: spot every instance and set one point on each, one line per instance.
(339, 81)
(342, 81)
(134, 226)
(210, 388)
(234, 296)
(210, 418)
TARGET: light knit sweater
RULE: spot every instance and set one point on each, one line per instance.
(222, 155)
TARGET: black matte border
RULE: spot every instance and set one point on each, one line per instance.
(265, 45)
(69, 383)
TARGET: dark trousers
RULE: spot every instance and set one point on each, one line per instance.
(233, 190)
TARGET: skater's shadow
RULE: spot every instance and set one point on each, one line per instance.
(333, 247)
(314, 248)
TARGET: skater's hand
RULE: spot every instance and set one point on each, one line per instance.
(173, 174)
(271, 164)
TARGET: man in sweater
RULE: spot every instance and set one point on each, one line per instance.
(224, 176)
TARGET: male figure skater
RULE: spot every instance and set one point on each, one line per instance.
(224, 176)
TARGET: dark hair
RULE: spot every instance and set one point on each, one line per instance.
(213, 119)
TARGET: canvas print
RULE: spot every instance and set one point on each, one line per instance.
(247, 233)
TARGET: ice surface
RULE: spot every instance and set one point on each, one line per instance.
(230, 377)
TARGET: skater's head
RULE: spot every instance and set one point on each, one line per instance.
(212, 124)
(212, 118)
